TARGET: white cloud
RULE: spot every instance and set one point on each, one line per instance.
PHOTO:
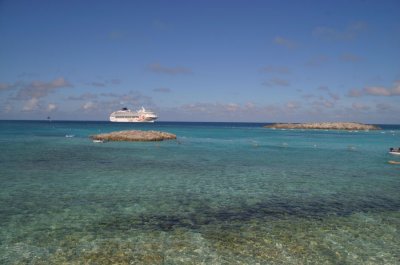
(31, 104)
(377, 91)
(292, 105)
(108, 102)
(232, 107)
(51, 107)
(90, 105)
(320, 109)
(39, 89)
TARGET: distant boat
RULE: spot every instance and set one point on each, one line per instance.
(98, 141)
(126, 115)
(69, 135)
(394, 151)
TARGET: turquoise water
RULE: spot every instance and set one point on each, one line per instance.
(222, 193)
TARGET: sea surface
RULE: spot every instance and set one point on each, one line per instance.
(222, 193)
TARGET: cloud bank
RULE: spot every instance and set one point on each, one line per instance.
(376, 91)
(40, 89)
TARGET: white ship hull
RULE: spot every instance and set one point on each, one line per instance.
(112, 119)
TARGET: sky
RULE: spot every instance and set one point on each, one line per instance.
(220, 60)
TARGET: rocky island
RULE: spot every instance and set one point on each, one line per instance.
(324, 126)
(134, 136)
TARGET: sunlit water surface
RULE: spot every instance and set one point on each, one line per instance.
(222, 193)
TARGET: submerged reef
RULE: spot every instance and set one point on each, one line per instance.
(134, 136)
(324, 126)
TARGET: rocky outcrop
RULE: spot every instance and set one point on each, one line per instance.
(134, 136)
(324, 126)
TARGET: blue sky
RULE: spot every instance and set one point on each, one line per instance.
(255, 61)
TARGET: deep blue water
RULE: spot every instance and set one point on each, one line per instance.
(222, 193)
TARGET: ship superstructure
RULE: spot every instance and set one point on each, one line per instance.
(127, 115)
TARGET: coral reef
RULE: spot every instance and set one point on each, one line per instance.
(324, 126)
(134, 136)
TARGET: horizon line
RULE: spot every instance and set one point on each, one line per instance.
(55, 120)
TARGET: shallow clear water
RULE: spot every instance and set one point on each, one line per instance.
(222, 193)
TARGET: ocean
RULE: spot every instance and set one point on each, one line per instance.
(222, 193)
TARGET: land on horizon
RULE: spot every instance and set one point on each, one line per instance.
(188, 121)
(325, 125)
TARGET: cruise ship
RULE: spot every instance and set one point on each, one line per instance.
(126, 115)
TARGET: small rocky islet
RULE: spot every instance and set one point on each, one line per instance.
(134, 136)
(324, 126)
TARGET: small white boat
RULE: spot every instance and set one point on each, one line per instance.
(394, 151)
(69, 135)
(98, 141)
